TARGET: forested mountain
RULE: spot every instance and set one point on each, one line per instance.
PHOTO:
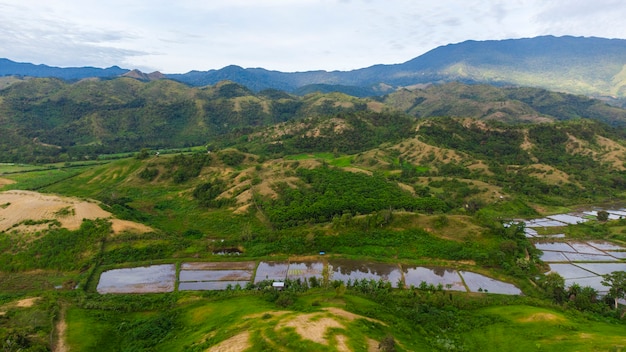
(578, 65)
(201, 185)
(49, 119)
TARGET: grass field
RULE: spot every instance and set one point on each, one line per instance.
(320, 319)
(527, 328)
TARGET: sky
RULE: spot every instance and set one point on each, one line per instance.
(284, 35)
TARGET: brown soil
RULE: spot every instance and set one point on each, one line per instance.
(218, 266)
(312, 326)
(548, 174)
(5, 181)
(538, 317)
(236, 343)
(20, 206)
(342, 343)
(120, 226)
(350, 316)
(61, 328)
(372, 345)
(315, 326)
(28, 302)
(414, 150)
(616, 153)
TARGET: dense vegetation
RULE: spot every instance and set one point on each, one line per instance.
(329, 194)
(49, 120)
(339, 178)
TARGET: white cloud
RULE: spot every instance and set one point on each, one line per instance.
(286, 35)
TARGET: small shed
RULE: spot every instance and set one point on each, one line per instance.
(278, 285)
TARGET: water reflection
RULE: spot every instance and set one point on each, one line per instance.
(352, 270)
(146, 279)
(448, 279)
(222, 275)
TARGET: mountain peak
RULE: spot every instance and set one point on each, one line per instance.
(136, 74)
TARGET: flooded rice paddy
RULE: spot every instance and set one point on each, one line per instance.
(145, 279)
(580, 262)
(224, 275)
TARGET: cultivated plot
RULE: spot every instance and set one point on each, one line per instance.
(448, 278)
(275, 271)
(146, 279)
(353, 270)
(214, 275)
(305, 270)
(480, 283)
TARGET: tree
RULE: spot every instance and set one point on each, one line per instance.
(554, 284)
(617, 285)
(603, 215)
(387, 344)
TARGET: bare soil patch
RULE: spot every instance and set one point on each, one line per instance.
(312, 326)
(20, 206)
(548, 174)
(25, 303)
(615, 153)
(61, 328)
(350, 316)
(218, 266)
(416, 151)
(237, 343)
(5, 181)
(315, 326)
(120, 226)
(28, 205)
(539, 317)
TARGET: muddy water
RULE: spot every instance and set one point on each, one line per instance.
(305, 270)
(276, 271)
(210, 285)
(448, 278)
(221, 275)
(480, 283)
(215, 275)
(146, 279)
(352, 270)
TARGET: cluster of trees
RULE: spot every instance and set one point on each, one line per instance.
(59, 249)
(360, 131)
(500, 145)
(585, 297)
(330, 192)
(183, 167)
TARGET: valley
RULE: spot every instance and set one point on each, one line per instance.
(161, 217)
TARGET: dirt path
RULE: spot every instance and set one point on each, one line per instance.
(61, 327)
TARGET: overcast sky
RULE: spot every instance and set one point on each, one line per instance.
(176, 36)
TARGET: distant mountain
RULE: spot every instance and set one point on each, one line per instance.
(11, 68)
(589, 66)
(48, 119)
(136, 74)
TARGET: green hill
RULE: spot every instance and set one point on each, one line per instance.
(427, 177)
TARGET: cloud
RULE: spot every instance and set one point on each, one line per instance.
(287, 35)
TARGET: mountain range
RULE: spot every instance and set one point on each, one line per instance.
(578, 65)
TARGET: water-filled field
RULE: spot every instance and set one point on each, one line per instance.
(145, 279)
(225, 275)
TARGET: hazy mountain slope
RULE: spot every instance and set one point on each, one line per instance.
(8, 68)
(55, 119)
(507, 104)
(50, 119)
(589, 66)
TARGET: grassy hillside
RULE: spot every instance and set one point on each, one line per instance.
(357, 182)
(48, 120)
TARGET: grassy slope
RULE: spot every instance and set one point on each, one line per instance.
(204, 320)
